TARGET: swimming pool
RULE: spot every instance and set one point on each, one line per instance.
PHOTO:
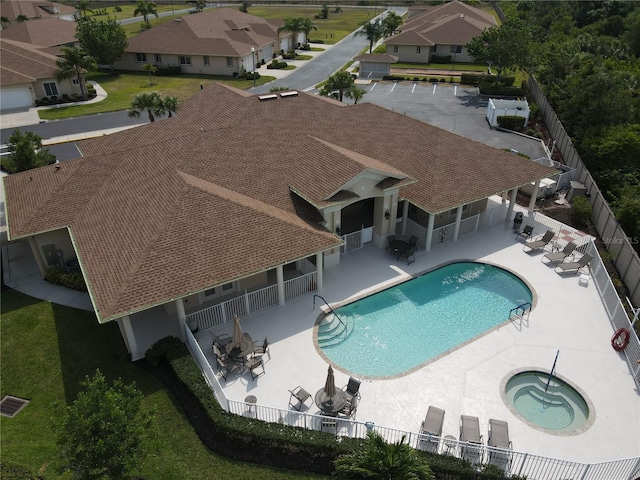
(398, 329)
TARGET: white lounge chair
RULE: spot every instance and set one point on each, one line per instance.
(470, 433)
(431, 429)
(499, 438)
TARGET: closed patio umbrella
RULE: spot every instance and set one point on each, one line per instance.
(330, 384)
(237, 339)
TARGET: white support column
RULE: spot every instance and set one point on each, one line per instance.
(534, 197)
(130, 338)
(36, 255)
(512, 203)
(319, 268)
(182, 317)
(405, 216)
(456, 229)
(427, 243)
(280, 279)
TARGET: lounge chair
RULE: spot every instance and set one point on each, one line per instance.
(525, 233)
(499, 438)
(432, 427)
(574, 267)
(300, 394)
(470, 433)
(539, 244)
(352, 389)
(559, 256)
(226, 367)
(259, 349)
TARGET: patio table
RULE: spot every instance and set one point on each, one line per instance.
(331, 405)
(245, 348)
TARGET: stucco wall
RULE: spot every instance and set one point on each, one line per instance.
(64, 86)
(60, 239)
(217, 65)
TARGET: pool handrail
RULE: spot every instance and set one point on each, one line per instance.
(521, 307)
(332, 310)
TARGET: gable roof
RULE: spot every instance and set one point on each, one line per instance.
(46, 32)
(453, 23)
(216, 193)
(33, 9)
(376, 58)
(218, 31)
(24, 63)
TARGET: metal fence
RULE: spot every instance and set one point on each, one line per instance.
(618, 243)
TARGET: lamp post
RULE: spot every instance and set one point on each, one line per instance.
(253, 60)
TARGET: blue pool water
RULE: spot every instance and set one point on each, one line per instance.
(405, 326)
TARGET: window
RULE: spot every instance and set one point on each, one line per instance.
(210, 292)
(434, 49)
(456, 49)
(206, 60)
(75, 81)
(185, 60)
(395, 49)
(452, 212)
(417, 49)
(50, 88)
(229, 62)
(227, 286)
(158, 58)
(141, 57)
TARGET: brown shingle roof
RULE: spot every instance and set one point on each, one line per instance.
(218, 31)
(183, 204)
(33, 9)
(23, 63)
(46, 32)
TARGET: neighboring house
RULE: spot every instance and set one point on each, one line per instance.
(28, 73)
(439, 30)
(214, 42)
(375, 65)
(51, 33)
(33, 9)
(174, 216)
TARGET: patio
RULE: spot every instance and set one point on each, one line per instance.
(568, 316)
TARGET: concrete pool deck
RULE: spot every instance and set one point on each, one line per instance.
(568, 316)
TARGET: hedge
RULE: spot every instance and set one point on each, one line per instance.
(477, 79)
(278, 445)
(277, 65)
(168, 71)
(440, 59)
(59, 276)
(511, 122)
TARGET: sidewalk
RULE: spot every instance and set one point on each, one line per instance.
(280, 73)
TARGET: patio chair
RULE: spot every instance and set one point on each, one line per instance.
(499, 438)
(432, 427)
(329, 421)
(226, 367)
(409, 254)
(221, 340)
(390, 238)
(352, 389)
(574, 267)
(413, 241)
(559, 256)
(221, 354)
(525, 233)
(300, 394)
(470, 433)
(349, 410)
(259, 349)
(539, 244)
(253, 364)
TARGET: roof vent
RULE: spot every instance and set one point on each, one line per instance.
(10, 406)
(462, 15)
(177, 20)
(271, 96)
(288, 94)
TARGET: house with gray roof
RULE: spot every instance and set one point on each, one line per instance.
(440, 30)
(217, 41)
(215, 210)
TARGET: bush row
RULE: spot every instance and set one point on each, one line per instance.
(277, 65)
(477, 79)
(511, 122)
(59, 276)
(275, 444)
(168, 71)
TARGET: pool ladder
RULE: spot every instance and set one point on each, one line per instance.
(520, 310)
(329, 333)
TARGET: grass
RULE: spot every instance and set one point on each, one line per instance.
(122, 87)
(47, 350)
(127, 12)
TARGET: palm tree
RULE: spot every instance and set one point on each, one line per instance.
(391, 23)
(381, 460)
(198, 5)
(148, 102)
(75, 63)
(150, 69)
(355, 93)
(306, 25)
(294, 26)
(168, 105)
(373, 32)
(145, 9)
(21, 18)
(341, 81)
(83, 6)
(4, 21)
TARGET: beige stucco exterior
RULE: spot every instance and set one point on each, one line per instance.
(423, 53)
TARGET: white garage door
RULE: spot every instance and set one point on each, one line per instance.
(15, 98)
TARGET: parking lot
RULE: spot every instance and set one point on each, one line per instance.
(458, 109)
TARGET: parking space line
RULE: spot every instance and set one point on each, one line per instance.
(434, 89)
(414, 88)
(373, 86)
(394, 85)
(455, 90)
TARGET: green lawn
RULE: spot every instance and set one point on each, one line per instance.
(47, 350)
(124, 86)
(128, 9)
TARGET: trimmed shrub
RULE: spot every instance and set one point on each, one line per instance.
(501, 90)
(117, 8)
(277, 65)
(440, 59)
(59, 276)
(252, 76)
(511, 122)
(393, 77)
(316, 41)
(168, 71)
(580, 211)
(289, 55)
(306, 46)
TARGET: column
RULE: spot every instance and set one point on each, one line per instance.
(319, 267)
(534, 197)
(512, 203)
(456, 229)
(280, 279)
(182, 317)
(405, 216)
(130, 338)
(37, 256)
(427, 243)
